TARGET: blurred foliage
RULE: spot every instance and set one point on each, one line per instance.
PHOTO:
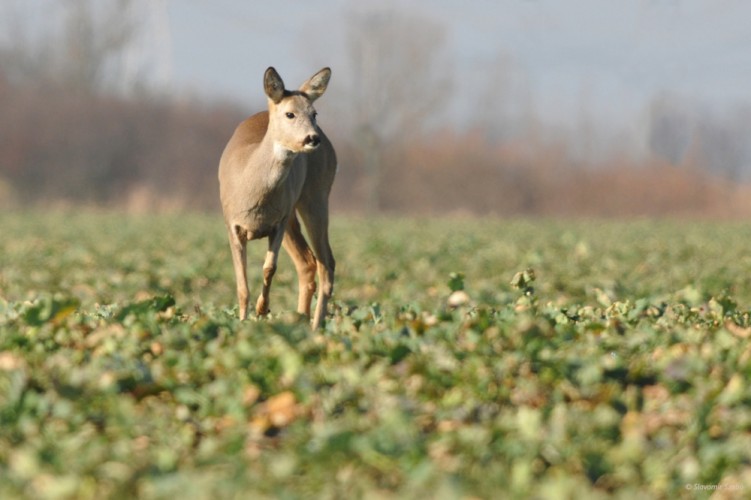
(124, 371)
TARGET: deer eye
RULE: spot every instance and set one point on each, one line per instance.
(290, 115)
(315, 115)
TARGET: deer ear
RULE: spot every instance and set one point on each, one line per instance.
(273, 85)
(316, 85)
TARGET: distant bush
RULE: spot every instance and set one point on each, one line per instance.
(61, 145)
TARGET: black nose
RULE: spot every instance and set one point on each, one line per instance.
(312, 139)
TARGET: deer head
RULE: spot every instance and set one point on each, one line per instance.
(292, 117)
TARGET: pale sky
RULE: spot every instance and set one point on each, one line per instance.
(606, 58)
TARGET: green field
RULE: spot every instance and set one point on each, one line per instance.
(618, 366)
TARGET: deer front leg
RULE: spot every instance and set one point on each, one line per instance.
(237, 242)
(269, 268)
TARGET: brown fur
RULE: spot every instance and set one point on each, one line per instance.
(278, 164)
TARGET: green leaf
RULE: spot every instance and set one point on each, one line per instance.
(49, 309)
(152, 305)
(456, 282)
(523, 279)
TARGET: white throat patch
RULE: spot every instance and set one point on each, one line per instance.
(281, 153)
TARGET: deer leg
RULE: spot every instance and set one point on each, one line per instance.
(237, 242)
(317, 224)
(326, 278)
(305, 263)
(269, 268)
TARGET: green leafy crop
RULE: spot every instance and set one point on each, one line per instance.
(460, 359)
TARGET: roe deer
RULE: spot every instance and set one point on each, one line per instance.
(276, 164)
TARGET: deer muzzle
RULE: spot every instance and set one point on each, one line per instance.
(311, 141)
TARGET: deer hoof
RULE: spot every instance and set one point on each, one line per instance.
(262, 307)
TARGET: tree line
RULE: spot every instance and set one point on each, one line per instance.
(69, 136)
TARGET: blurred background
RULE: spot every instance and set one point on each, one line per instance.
(512, 107)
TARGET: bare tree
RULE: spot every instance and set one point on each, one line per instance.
(670, 128)
(505, 91)
(92, 40)
(685, 132)
(723, 144)
(82, 54)
(399, 82)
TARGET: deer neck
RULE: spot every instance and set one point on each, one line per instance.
(277, 161)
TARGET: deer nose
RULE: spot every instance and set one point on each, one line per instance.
(312, 140)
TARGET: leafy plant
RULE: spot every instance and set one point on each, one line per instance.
(616, 367)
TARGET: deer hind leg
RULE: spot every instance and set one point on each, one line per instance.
(305, 263)
(269, 268)
(238, 241)
(317, 223)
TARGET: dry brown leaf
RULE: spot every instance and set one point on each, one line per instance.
(458, 298)
(738, 331)
(10, 362)
(278, 411)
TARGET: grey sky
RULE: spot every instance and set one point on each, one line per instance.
(604, 58)
(607, 56)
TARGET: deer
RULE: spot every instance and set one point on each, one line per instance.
(279, 164)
